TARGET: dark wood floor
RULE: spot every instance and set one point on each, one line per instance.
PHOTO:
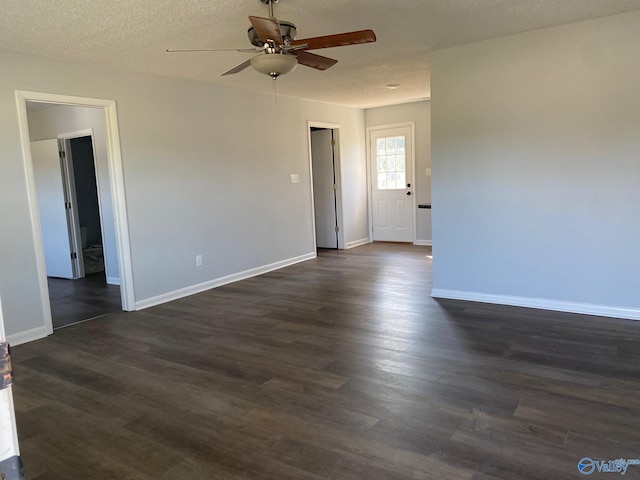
(342, 367)
(73, 301)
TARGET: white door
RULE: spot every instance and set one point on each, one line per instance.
(52, 207)
(324, 198)
(392, 184)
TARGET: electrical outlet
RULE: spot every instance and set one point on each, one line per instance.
(198, 260)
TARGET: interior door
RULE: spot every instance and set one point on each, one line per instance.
(52, 206)
(392, 184)
(324, 194)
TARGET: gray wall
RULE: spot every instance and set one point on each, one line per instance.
(203, 175)
(420, 113)
(536, 168)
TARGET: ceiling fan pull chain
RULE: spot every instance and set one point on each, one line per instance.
(275, 89)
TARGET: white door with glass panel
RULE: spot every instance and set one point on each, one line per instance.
(392, 184)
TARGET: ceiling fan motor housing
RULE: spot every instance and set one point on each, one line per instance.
(288, 30)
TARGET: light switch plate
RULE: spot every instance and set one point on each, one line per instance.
(295, 178)
(428, 172)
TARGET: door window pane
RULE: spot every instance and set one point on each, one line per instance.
(400, 163)
(392, 163)
(391, 145)
(382, 181)
(391, 180)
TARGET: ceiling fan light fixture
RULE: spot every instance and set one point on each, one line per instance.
(273, 64)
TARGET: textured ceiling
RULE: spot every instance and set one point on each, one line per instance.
(133, 35)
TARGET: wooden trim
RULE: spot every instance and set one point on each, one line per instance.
(28, 336)
(357, 243)
(218, 282)
(540, 303)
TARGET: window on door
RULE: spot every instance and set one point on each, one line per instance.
(391, 163)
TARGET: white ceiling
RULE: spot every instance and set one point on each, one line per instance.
(133, 35)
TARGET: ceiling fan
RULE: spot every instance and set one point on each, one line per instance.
(278, 50)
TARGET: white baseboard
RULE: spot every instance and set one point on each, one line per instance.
(28, 336)
(218, 282)
(113, 280)
(424, 243)
(357, 243)
(540, 303)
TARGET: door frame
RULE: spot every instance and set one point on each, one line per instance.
(370, 130)
(338, 160)
(116, 176)
(74, 220)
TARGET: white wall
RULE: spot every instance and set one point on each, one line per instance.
(536, 168)
(53, 121)
(204, 170)
(420, 113)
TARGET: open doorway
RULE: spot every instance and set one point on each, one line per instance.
(78, 213)
(83, 283)
(326, 185)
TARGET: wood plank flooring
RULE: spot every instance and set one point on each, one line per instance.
(73, 301)
(341, 367)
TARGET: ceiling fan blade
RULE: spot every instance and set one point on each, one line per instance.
(267, 29)
(239, 68)
(314, 61)
(246, 50)
(337, 40)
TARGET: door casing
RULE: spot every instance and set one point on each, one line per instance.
(342, 234)
(116, 176)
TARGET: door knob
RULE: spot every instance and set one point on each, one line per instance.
(408, 193)
(408, 185)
